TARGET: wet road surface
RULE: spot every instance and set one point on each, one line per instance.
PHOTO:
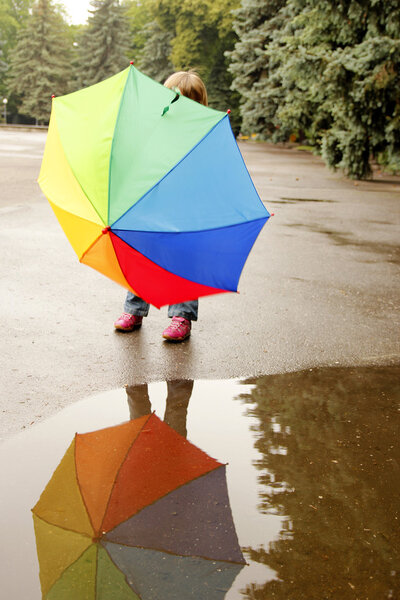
(321, 287)
(296, 379)
(313, 472)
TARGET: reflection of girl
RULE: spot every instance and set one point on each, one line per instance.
(190, 85)
(178, 396)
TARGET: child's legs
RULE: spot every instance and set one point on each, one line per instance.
(187, 310)
(176, 406)
(138, 400)
(135, 305)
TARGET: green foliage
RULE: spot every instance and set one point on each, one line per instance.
(154, 59)
(255, 23)
(177, 35)
(327, 71)
(139, 14)
(340, 70)
(40, 63)
(13, 15)
(203, 32)
(104, 46)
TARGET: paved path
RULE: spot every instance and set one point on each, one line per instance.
(321, 287)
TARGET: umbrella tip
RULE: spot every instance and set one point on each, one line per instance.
(106, 229)
(53, 95)
(132, 62)
(228, 111)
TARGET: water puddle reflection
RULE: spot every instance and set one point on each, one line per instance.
(313, 475)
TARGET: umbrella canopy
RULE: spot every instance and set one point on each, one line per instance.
(136, 512)
(158, 200)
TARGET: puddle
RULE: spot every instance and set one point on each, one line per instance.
(313, 475)
(390, 251)
(283, 200)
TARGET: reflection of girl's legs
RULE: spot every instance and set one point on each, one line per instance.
(178, 397)
(138, 400)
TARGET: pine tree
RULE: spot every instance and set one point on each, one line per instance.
(255, 23)
(3, 64)
(105, 44)
(155, 55)
(13, 15)
(201, 33)
(40, 63)
(340, 72)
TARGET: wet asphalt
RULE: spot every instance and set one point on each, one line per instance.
(320, 288)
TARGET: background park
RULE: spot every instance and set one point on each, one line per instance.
(320, 73)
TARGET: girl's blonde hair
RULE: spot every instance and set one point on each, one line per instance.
(189, 84)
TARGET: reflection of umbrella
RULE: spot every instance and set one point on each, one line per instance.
(136, 511)
(160, 201)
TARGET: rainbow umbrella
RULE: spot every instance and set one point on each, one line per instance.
(151, 189)
(136, 512)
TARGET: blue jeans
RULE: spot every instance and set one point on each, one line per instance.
(136, 306)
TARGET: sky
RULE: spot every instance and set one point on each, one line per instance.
(77, 10)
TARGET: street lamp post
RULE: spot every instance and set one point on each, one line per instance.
(5, 110)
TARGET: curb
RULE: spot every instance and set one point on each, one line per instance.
(9, 127)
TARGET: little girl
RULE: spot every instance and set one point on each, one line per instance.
(190, 85)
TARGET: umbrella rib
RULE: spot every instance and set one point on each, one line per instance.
(90, 247)
(119, 569)
(247, 171)
(120, 467)
(246, 222)
(112, 147)
(172, 169)
(69, 566)
(181, 233)
(61, 527)
(178, 487)
(80, 489)
(166, 270)
(223, 560)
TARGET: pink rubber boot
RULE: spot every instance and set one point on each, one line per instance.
(128, 322)
(178, 330)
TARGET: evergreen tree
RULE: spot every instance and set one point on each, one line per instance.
(3, 65)
(202, 32)
(40, 63)
(255, 23)
(105, 44)
(154, 58)
(13, 15)
(140, 15)
(340, 68)
(324, 70)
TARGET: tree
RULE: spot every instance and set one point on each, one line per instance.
(255, 23)
(40, 63)
(13, 15)
(202, 33)
(327, 71)
(105, 44)
(154, 58)
(340, 67)
(326, 440)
